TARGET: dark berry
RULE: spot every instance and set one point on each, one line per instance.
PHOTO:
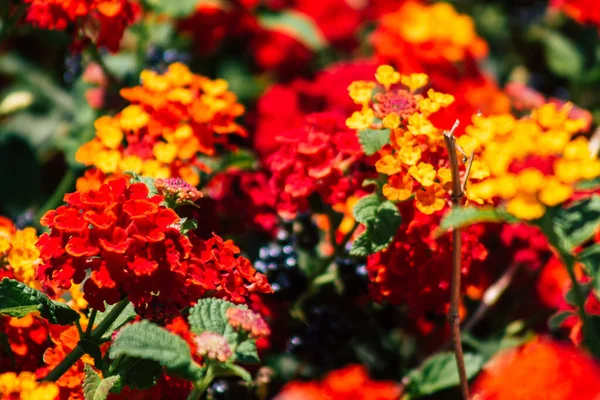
(73, 68)
(228, 388)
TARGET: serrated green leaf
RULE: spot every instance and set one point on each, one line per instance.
(576, 224)
(151, 342)
(440, 372)
(209, 315)
(94, 387)
(366, 208)
(372, 140)
(128, 314)
(381, 219)
(562, 55)
(18, 300)
(461, 217)
(296, 25)
(556, 320)
(146, 180)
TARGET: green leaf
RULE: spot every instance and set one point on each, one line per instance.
(557, 319)
(18, 300)
(187, 224)
(146, 180)
(94, 387)
(562, 55)
(232, 369)
(439, 372)
(128, 314)
(591, 184)
(372, 140)
(577, 224)
(460, 217)
(177, 9)
(151, 342)
(209, 315)
(590, 257)
(296, 25)
(381, 219)
(139, 373)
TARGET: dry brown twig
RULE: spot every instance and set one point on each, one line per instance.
(458, 188)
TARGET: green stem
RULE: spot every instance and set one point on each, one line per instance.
(90, 326)
(66, 183)
(65, 364)
(79, 330)
(96, 335)
(108, 320)
(201, 386)
(589, 331)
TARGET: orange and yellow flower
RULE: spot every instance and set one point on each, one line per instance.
(24, 386)
(172, 118)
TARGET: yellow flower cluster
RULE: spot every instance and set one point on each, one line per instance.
(24, 386)
(416, 161)
(18, 250)
(533, 161)
(173, 118)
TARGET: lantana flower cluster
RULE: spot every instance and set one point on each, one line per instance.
(173, 118)
(534, 162)
(101, 21)
(18, 254)
(134, 247)
(315, 158)
(24, 386)
(416, 161)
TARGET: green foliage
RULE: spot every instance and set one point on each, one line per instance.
(439, 372)
(576, 224)
(208, 315)
(372, 140)
(562, 55)
(295, 24)
(139, 373)
(590, 257)
(124, 317)
(18, 300)
(96, 388)
(177, 9)
(150, 342)
(557, 319)
(187, 224)
(381, 219)
(462, 217)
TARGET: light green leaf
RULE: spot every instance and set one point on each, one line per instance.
(372, 140)
(209, 315)
(562, 55)
(94, 387)
(177, 9)
(381, 219)
(295, 24)
(440, 372)
(557, 319)
(151, 342)
(187, 224)
(462, 217)
(18, 300)
(577, 224)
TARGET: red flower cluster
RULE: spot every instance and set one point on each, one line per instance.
(416, 268)
(582, 11)
(133, 247)
(102, 21)
(314, 159)
(540, 370)
(284, 106)
(349, 383)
